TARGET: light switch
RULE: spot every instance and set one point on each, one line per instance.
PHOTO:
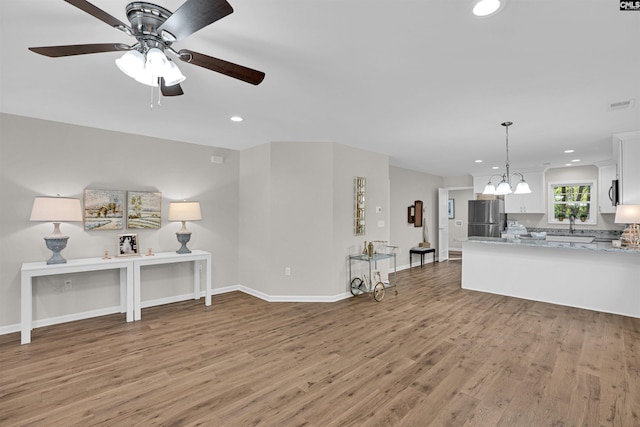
(381, 223)
(378, 209)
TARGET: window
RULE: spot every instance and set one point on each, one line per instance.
(575, 199)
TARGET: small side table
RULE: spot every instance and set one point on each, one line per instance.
(421, 251)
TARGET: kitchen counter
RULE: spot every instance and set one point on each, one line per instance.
(593, 246)
(594, 276)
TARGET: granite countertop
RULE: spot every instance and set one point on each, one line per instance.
(594, 246)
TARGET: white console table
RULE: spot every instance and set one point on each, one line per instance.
(130, 281)
(35, 269)
(199, 258)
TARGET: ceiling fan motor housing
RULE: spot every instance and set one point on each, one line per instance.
(145, 19)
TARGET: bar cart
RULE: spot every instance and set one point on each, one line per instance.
(365, 284)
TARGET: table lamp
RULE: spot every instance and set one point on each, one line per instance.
(184, 211)
(56, 210)
(629, 214)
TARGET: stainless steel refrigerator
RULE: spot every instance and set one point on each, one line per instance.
(486, 218)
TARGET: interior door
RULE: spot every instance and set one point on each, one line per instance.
(443, 224)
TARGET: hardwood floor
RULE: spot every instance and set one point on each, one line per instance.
(432, 354)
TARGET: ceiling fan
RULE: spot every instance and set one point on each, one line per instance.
(156, 29)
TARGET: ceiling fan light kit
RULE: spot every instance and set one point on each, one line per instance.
(156, 29)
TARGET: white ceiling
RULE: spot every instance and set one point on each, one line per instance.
(423, 81)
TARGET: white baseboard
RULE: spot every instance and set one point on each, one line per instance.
(166, 300)
(281, 298)
(9, 329)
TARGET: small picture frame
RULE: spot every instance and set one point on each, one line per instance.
(128, 245)
(451, 209)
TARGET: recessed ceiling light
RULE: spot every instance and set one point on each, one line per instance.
(236, 119)
(478, 161)
(488, 7)
(575, 160)
(569, 151)
(495, 167)
(568, 164)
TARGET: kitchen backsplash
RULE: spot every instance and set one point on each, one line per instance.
(601, 235)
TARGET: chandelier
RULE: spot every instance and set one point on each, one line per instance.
(504, 186)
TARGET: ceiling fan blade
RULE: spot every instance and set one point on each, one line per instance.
(194, 15)
(232, 70)
(100, 14)
(174, 90)
(78, 49)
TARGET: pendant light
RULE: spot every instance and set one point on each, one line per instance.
(504, 186)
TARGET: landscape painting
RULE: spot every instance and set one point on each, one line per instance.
(144, 209)
(103, 209)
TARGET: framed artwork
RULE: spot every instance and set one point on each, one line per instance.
(417, 218)
(144, 209)
(103, 209)
(451, 209)
(128, 245)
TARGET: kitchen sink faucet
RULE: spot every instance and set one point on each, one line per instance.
(572, 224)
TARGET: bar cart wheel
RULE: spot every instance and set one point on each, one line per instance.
(378, 291)
(357, 286)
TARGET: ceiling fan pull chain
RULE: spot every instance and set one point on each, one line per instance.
(159, 96)
(151, 103)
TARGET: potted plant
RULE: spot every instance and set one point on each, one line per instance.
(583, 217)
(561, 216)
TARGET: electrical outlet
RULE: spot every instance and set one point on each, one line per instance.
(68, 285)
(287, 271)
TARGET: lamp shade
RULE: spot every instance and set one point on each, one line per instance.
(627, 214)
(56, 209)
(131, 63)
(184, 211)
(172, 75)
(522, 188)
(503, 188)
(156, 61)
(489, 189)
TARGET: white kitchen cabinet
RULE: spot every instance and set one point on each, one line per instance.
(532, 203)
(626, 149)
(606, 174)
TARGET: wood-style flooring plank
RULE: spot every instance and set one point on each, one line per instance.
(429, 354)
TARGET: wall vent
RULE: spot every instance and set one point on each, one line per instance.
(622, 105)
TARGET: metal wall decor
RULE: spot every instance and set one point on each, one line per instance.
(359, 223)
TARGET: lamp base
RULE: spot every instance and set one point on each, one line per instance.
(183, 238)
(56, 244)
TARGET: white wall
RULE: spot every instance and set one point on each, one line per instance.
(348, 163)
(408, 186)
(47, 158)
(296, 210)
